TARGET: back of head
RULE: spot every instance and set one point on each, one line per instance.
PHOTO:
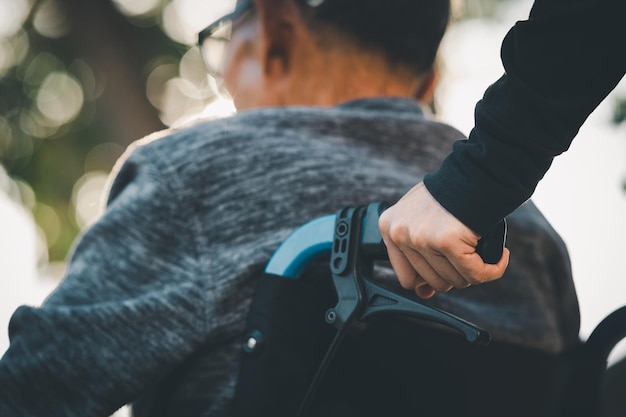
(406, 32)
(286, 52)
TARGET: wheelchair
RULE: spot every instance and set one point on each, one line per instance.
(324, 339)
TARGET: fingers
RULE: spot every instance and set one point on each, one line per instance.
(416, 271)
(430, 250)
(475, 271)
(407, 275)
(425, 291)
(436, 270)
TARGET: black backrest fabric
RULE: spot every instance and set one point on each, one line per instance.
(401, 368)
(393, 367)
(289, 314)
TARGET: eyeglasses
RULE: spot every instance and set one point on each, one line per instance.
(213, 39)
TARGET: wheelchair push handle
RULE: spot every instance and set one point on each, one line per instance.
(353, 240)
(315, 238)
(357, 244)
(490, 246)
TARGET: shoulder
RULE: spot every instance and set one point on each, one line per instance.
(268, 141)
(406, 136)
(227, 158)
(227, 134)
(296, 152)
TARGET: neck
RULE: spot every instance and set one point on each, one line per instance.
(338, 75)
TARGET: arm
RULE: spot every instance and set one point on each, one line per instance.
(131, 306)
(560, 64)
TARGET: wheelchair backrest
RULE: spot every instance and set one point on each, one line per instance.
(319, 344)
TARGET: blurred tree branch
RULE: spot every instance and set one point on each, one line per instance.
(117, 53)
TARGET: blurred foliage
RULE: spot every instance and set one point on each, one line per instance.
(470, 9)
(74, 92)
(619, 115)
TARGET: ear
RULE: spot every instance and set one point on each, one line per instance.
(280, 23)
(425, 92)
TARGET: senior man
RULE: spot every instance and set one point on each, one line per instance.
(330, 97)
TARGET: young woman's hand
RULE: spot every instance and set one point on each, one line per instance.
(430, 249)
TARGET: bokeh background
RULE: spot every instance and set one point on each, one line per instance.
(81, 79)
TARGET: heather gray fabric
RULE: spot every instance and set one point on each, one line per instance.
(156, 294)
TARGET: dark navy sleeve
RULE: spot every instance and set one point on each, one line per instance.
(559, 65)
